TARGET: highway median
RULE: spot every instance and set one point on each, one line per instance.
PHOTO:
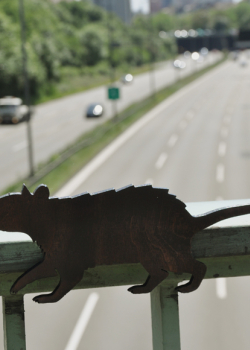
(62, 166)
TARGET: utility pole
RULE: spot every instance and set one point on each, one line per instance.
(110, 9)
(26, 87)
(111, 42)
(152, 57)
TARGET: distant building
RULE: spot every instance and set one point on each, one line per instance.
(155, 6)
(158, 5)
(120, 7)
(166, 3)
(192, 5)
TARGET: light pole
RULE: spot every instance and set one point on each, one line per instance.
(26, 87)
(152, 51)
(111, 45)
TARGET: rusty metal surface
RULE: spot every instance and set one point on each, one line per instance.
(132, 225)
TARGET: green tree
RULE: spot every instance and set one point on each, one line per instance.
(163, 22)
(92, 47)
(73, 34)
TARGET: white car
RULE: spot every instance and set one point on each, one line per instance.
(179, 64)
(12, 110)
(127, 79)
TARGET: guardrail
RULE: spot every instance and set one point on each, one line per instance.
(224, 248)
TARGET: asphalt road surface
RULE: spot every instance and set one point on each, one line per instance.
(198, 147)
(196, 144)
(58, 123)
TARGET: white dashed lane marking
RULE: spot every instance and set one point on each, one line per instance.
(224, 132)
(172, 140)
(221, 288)
(222, 149)
(161, 160)
(220, 173)
(227, 119)
(149, 182)
(183, 124)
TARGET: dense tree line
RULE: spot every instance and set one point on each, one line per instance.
(70, 34)
(218, 19)
(74, 35)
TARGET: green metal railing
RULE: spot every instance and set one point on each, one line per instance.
(224, 248)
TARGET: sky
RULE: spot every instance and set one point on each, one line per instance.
(140, 5)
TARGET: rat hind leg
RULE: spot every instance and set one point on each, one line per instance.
(41, 270)
(198, 271)
(65, 285)
(155, 263)
(156, 276)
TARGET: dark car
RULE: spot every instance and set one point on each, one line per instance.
(94, 110)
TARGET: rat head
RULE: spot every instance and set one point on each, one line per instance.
(15, 208)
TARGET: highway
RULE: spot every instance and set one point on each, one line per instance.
(196, 143)
(56, 124)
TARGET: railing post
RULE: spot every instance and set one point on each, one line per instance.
(165, 318)
(13, 323)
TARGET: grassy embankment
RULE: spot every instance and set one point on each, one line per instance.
(95, 140)
(79, 80)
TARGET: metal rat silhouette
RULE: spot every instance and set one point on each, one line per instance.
(131, 225)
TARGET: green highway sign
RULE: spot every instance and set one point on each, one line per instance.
(113, 93)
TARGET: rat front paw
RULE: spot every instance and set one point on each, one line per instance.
(14, 289)
(185, 288)
(39, 299)
(138, 289)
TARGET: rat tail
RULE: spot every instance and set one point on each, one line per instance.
(210, 218)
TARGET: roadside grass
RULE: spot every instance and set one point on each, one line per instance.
(95, 140)
(78, 80)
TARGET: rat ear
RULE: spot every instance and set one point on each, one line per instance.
(42, 192)
(25, 192)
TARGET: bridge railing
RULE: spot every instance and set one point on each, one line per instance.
(224, 248)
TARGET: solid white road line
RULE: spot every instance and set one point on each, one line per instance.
(149, 182)
(161, 160)
(172, 140)
(224, 132)
(96, 162)
(18, 147)
(220, 173)
(222, 149)
(221, 288)
(82, 322)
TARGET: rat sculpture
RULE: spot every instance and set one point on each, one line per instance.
(131, 225)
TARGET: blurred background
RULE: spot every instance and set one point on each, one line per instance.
(171, 80)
